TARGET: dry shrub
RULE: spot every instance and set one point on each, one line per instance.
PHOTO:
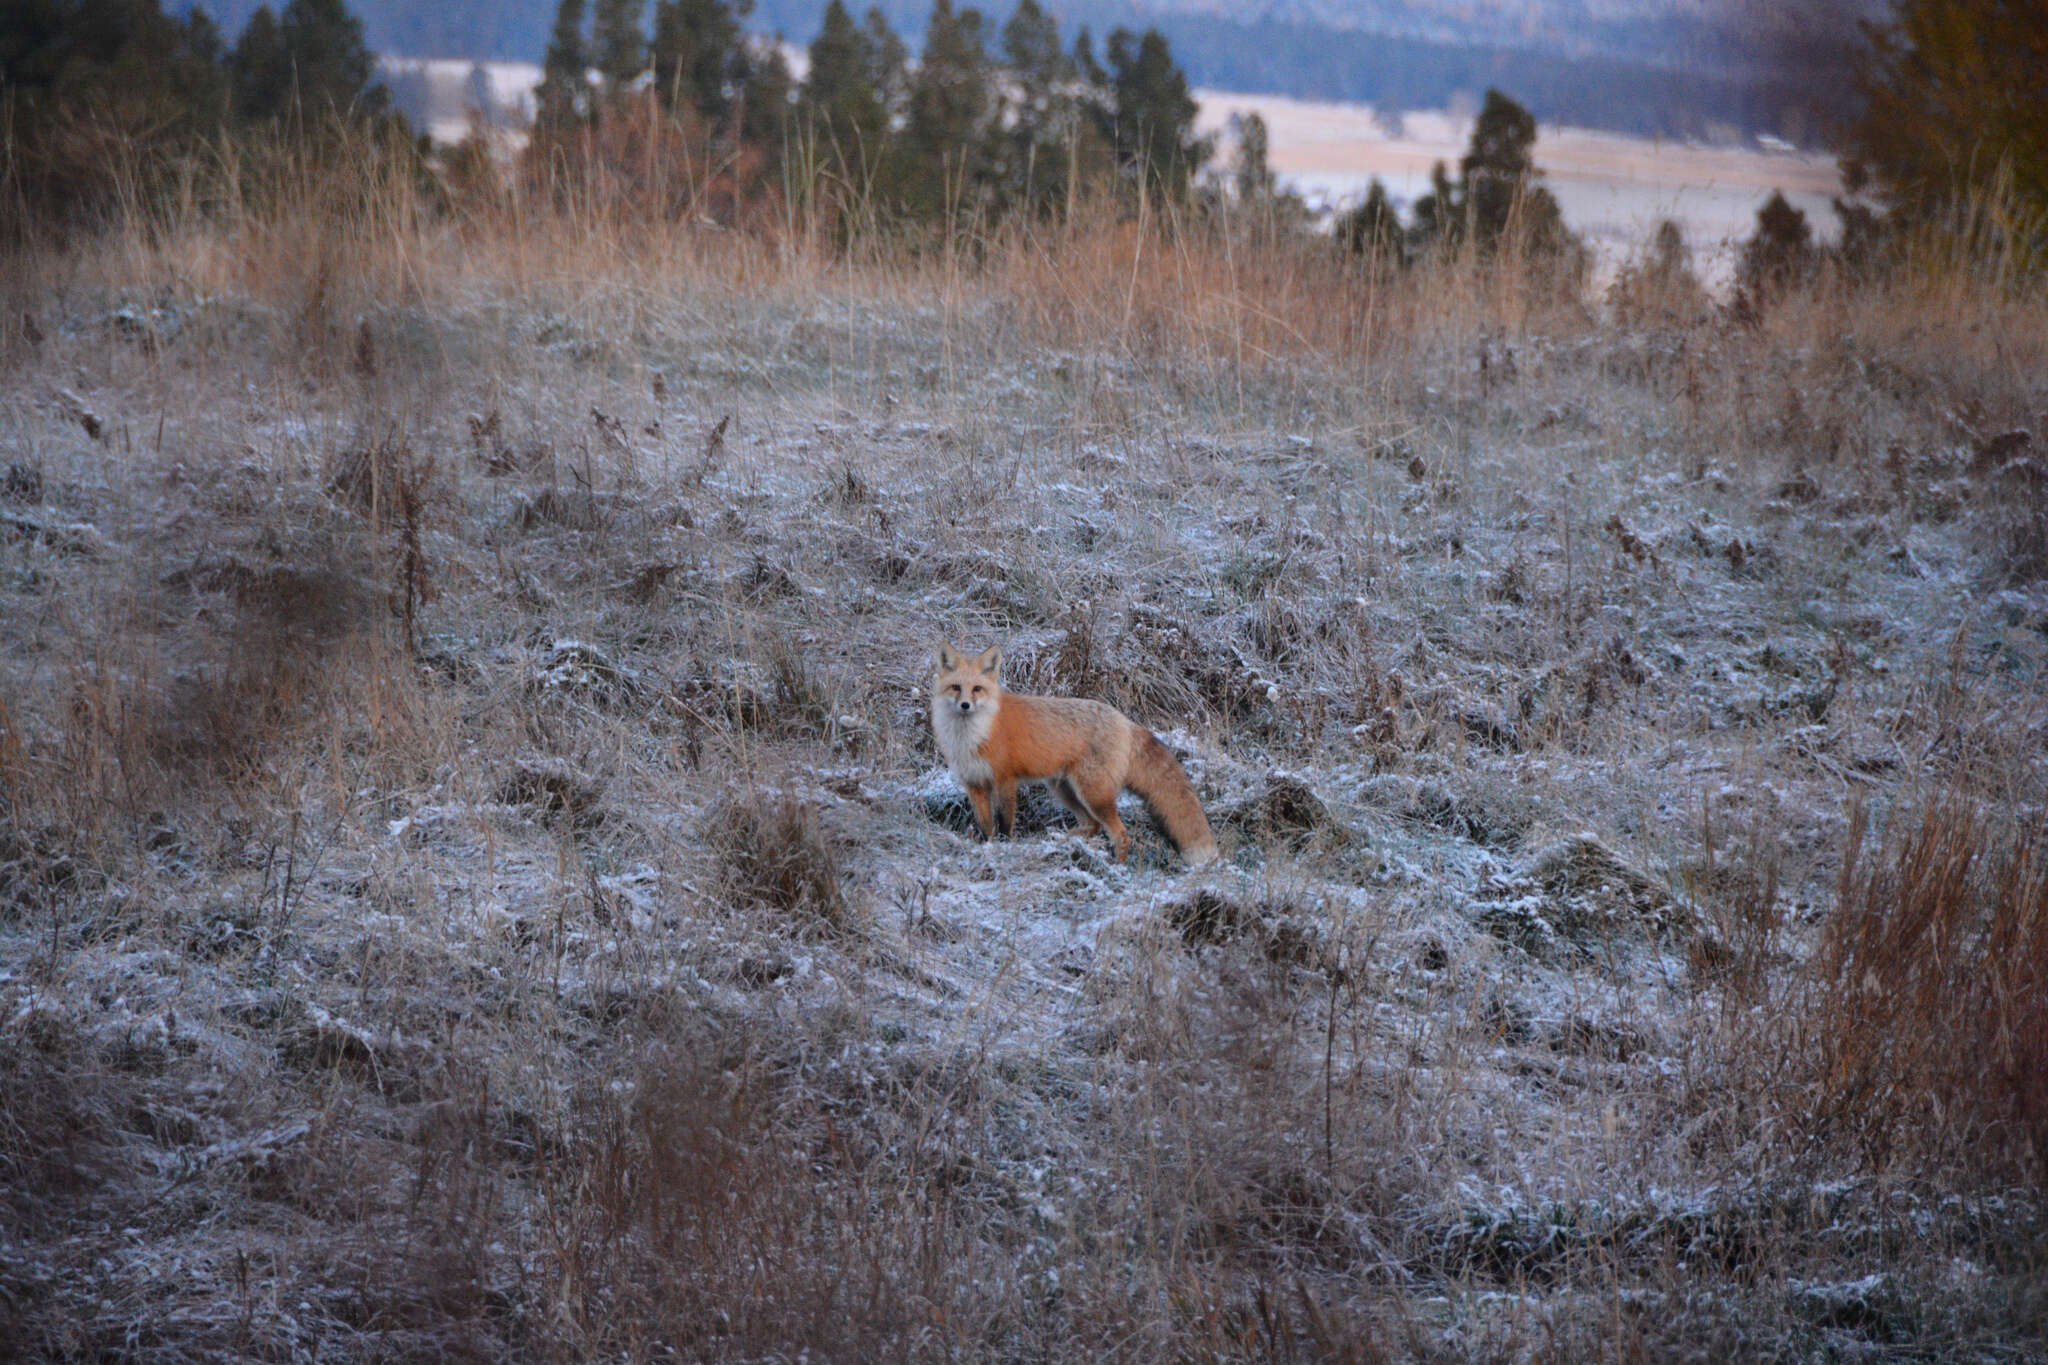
(400, 491)
(1929, 1004)
(693, 1224)
(775, 852)
(172, 706)
(2015, 497)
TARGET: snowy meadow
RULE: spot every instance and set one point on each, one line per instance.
(476, 880)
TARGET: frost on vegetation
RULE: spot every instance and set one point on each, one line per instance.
(658, 774)
(583, 671)
(1577, 898)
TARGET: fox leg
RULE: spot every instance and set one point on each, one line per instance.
(978, 796)
(1006, 806)
(1099, 796)
(1064, 793)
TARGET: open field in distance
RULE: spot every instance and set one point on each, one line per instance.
(1613, 188)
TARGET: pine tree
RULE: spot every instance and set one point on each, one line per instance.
(1956, 102)
(1031, 46)
(1439, 216)
(331, 65)
(1499, 191)
(563, 98)
(618, 45)
(1373, 229)
(1045, 142)
(1498, 170)
(479, 97)
(1087, 70)
(696, 52)
(891, 61)
(1250, 173)
(261, 69)
(764, 83)
(1778, 255)
(839, 91)
(942, 157)
(77, 81)
(1154, 115)
(1659, 288)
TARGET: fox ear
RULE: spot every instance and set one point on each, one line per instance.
(949, 658)
(992, 660)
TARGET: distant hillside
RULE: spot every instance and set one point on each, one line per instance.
(1662, 67)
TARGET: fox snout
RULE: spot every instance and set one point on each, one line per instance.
(964, 704)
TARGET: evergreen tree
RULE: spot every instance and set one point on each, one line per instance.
(1956, 97)
(891, 61)
(1263, 209)
(942, 156)
(88, 88)
(479, 97)
(1499, 189)
(1439, 216)
(617, 43)
(331, 65)
(1659, 288)
(1778, 255)
(1250, 173)
(1373, 229)
(1045, 141)
(200, 42)
(261, 68)
(697, 55)
(1501, 186)
(839, 91)
(563, 98)
(1154, 115)
(764, 83)
(1089, 71)
(1031, 47)
(1870, 239)
(1498, 170)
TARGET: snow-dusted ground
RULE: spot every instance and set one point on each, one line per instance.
(619, 975)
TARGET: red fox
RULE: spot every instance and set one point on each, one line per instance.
(1085, 751)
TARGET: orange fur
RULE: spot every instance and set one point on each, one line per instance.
(1087, 752)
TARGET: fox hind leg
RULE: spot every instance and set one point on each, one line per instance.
(1063, 792)
(1099, 798)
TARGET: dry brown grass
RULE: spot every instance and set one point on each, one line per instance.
(470, 838)
(1929, 1018)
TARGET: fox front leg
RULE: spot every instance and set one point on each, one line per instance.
(1006, 807)
(978, 796)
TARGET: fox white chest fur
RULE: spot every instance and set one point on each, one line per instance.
(961, 735)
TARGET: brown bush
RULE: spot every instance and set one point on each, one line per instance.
(775, 853)
(1929, 1013)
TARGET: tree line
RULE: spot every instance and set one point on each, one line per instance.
(987, 122)
(680, 109)
(1679, 76)
(102, 98)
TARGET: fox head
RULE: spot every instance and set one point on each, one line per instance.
(967, 685)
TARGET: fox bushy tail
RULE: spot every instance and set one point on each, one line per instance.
(1157, 776)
